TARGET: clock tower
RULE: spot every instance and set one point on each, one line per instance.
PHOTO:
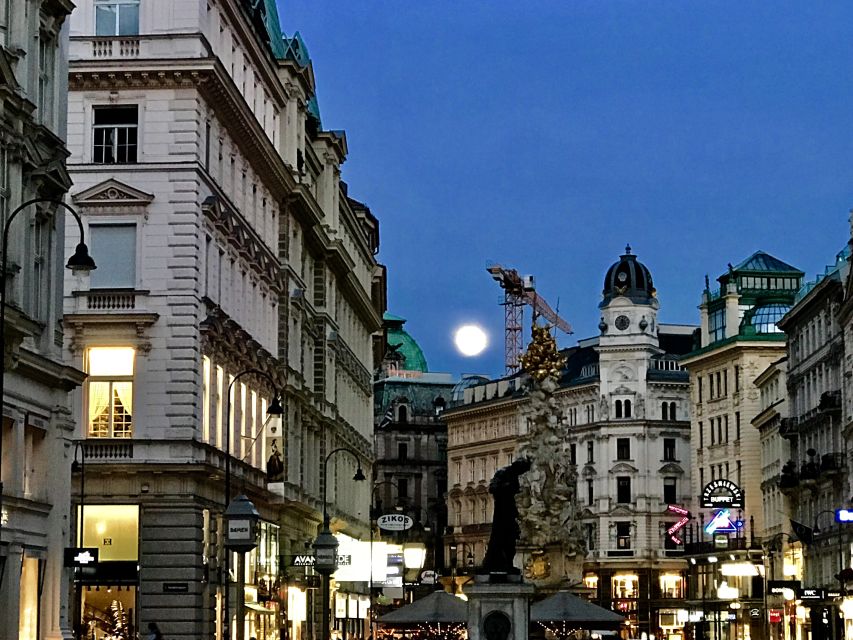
(629, 336)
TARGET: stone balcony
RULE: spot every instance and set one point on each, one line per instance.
(86, 49)
(108, 301)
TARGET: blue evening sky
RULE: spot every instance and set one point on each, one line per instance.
(547, 135)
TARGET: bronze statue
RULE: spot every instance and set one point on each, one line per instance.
(505, 530)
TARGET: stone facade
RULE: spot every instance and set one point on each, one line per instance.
(230, 244)
(37, 426)
(624, 402)
(739, 340)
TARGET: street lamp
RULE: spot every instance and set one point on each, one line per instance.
(275, 409)
(81, 261)
(326, 545)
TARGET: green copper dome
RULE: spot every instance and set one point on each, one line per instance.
(402, 345)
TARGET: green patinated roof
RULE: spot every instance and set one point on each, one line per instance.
(414, 359)
(761, 261)
(294, 49)
(264, 14)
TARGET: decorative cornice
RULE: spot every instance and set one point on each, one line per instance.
(240, 235)
(224, 336)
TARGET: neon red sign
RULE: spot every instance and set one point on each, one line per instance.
(674, 529)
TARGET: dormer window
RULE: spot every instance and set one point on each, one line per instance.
(403, 414)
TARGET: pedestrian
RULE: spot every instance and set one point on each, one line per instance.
(154, 632)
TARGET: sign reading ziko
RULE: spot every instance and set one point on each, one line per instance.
(395, 522)
(722, 493)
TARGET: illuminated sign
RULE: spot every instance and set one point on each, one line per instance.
(844, 515)
(722, 523)
(672, 531)
(80, 556)
(775, 615)
(722, 493)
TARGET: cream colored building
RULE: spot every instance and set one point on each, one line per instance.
(228, 244)
(37, 427)
(739, 340)
(624, 399)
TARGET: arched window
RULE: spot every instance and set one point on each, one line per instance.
(627, 408)
(672, 411)
(664, 411)
(618, 408)
(403, 414)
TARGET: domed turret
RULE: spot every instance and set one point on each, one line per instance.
(630, 278)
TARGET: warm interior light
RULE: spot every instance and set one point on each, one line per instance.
(725, 592)
(738, 569)
(414, 555)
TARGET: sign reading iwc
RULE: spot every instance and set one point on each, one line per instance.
(722, 493)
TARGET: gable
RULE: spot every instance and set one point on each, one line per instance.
(112, 195)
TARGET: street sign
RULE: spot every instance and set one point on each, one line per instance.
(395, 522)
(81, 556)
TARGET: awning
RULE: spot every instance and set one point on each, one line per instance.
(563, 606)
(256, 607)
(436, 607)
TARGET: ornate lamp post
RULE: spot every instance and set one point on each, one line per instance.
(81, 261)
(275, 409)
(326, 545)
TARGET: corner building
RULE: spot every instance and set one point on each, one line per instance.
(37, 428)
(625, 398)
(226, 242)
(739, 341)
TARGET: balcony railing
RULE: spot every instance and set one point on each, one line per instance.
(111, 449)
(106, 300)
(150, 46)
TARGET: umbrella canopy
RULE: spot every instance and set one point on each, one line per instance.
(564, 606)
(439, 606)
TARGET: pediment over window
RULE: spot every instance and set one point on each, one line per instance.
(623, 467)
(587, 513)
(588, 471)
(112, 196)
(671, 468)
(621, 510)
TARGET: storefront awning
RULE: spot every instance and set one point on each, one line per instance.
(256, 607)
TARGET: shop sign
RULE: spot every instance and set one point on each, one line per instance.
(811, 594)
(755, 612)
(777, 587)
(844, 515)
(775, 615)
(672, 532)
(309, 560)
(428, 577)
(81, 556)
(395, 522)
(722, 493)
(721, 541)
(176, 587)
(722, 523)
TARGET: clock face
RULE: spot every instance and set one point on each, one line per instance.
(622, 277)
(622, 322)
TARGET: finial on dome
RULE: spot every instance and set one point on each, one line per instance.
(627, 249)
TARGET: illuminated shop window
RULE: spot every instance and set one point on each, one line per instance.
(624, 585)
(110, 392)
(590, 581)
(113, 529)
(671, 585)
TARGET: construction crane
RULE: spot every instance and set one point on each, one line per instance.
(520, 291)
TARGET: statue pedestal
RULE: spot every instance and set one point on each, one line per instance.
(498, 607)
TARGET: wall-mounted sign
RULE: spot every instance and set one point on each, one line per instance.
(81, 556)
(722, 523)
(754, 612)
(775, 615)
(811, 594)
(672, 531)
(844, 515)
(777, 587)
(721, 494)
(309, 560)
(176, 587)
(395, 522)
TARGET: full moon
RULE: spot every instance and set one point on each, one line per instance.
(470, 340)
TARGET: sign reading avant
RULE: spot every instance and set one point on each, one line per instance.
(722, 493)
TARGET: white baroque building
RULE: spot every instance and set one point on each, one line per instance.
(227, 243)
(37, 426)
(625, 405)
